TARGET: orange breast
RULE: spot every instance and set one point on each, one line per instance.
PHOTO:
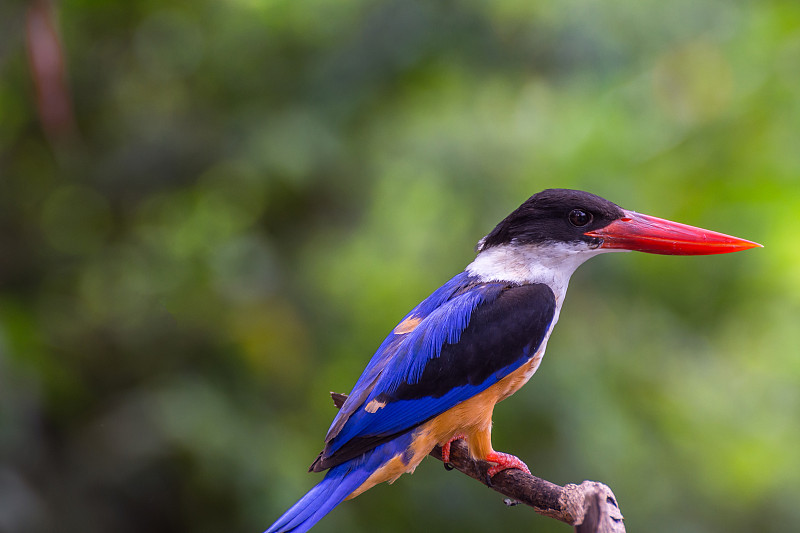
(471, 418)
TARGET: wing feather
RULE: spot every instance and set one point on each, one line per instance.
(470, 336)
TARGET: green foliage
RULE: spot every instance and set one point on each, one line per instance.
(255, 192)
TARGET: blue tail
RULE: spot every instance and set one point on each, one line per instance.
(339, 483)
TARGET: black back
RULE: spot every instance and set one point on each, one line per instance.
(500, 336)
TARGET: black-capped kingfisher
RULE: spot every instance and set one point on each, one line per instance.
(475, 341)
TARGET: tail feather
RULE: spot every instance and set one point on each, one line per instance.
(338, 484)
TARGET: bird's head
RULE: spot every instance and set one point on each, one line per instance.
(579, 221)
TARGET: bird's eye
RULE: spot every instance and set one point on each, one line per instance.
(579, 217)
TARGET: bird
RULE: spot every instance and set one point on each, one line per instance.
(475, 341)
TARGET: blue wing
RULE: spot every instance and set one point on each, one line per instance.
(463, 338)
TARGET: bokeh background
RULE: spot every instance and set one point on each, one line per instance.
(212, 212)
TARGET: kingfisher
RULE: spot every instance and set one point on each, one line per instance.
(475, 341)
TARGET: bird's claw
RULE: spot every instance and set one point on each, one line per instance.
(504, 461)
(446, 451)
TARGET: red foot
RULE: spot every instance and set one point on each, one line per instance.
(504, 461)
(446, 447)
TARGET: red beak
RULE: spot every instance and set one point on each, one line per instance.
(653, 235)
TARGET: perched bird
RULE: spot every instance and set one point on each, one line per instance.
(475, 341)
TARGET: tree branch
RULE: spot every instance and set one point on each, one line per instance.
(591, 506)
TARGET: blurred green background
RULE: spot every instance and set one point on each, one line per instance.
(212, 212)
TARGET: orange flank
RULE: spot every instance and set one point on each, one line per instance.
(471, 419)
